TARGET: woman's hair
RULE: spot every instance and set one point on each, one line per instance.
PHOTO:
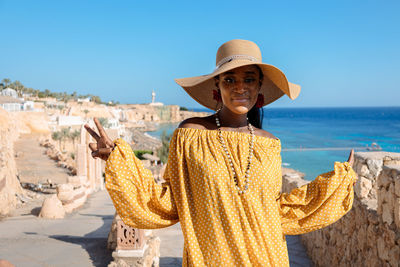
(255, 115)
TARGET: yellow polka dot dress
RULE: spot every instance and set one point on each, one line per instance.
(220, 226)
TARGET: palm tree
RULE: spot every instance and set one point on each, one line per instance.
(65, 134)
(6, 81)
(18, 86)
(62, 108)
(74, 135)
(104, 122)
(96, 99)
(86, 112)
(57, 137)
(36, 92)
(163, 151)
(30, 91)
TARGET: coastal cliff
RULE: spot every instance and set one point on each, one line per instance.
(9, 184)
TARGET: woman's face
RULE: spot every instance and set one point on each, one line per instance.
(239, 88)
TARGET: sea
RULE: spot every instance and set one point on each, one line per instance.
(313, 139)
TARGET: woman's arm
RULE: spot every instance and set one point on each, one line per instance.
(320, 202)
(138, 199)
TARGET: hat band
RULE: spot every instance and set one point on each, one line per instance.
(230, 58)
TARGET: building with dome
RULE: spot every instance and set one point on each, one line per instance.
(9, 101)
(9, 92)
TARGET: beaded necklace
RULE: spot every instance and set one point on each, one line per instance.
(247, 173)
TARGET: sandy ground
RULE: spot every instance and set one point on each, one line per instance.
(34, 165)
(80, 239)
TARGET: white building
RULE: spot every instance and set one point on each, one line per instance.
(85, 100)
(10, 103)
(69, 120)
(28, 105)
(9, 92)
(115, 125)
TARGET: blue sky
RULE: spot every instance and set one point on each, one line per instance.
(342, 53)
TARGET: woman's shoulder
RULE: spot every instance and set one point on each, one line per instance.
(264, 133)
(197, 123)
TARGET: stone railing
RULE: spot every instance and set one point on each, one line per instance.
(131, 246)
(369, 234)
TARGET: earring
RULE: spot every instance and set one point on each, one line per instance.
(217, 95)
(260, 101)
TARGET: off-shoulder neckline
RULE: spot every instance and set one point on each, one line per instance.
(259, 137)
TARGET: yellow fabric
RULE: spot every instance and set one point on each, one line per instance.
(221, 227)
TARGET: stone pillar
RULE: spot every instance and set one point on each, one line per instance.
(83, 135)
(99, 175)
(90, 167)
(81, 160)
(91, 172)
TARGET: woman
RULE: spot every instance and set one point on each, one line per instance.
(223, 176)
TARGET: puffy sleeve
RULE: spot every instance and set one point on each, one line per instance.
(138, 199)
(318, 203)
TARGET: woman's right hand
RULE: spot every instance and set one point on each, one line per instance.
(351, 162)
(104, 145)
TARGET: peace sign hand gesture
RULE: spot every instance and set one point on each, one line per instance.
(104, 145)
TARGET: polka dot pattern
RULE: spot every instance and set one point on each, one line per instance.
(221, 227)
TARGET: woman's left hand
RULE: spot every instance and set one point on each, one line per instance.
(351, 161)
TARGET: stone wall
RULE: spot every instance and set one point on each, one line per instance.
(153, 113)
(369, 234)
(168, 113)
(9, 184)
(188, 114)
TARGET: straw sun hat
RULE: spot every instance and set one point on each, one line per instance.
(234, 54)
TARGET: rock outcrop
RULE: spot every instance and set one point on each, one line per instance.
(9, 184)
(70, 197)
(29, 122)
(52, 208)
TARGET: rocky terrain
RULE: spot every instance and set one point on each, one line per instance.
(9, 184)
(369, 234)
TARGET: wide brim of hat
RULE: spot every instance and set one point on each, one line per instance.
(274, 85)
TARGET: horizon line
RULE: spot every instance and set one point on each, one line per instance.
(313, 107)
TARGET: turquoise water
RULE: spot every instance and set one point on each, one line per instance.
(326, 127)
(167, 127)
